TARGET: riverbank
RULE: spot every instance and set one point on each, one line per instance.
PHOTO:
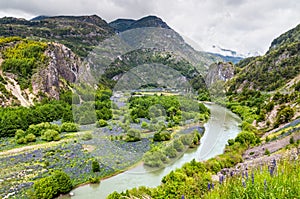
(223, 125)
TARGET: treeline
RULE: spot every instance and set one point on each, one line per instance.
(174, 108)
(12, 119)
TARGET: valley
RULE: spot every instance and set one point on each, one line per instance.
(92, 109)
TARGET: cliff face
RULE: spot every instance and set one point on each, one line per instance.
(219, 71)
(60, 68)
(63, 65)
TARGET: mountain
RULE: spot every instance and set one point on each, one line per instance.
(288, 37)
(121, 25)
(273, 70)
(68, 48)
(79, 33)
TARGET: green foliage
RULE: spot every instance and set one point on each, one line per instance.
(23, 58)
(267, 152)
(170, 151)
(144, 125)
(101, 123)
(246, 137)
(51, 186)
(133, 135)
(272, 70)
(95, 166)
(284, 115)
(12, 119)
(162, 136)
(6, 40)
(154, 158)
(50, 135)
(178, 146)
(282, 184)
(87, 136)
(69, 127)
(292, 141)
(30, 137)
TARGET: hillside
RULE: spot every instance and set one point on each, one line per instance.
(274, 69)
(79, 33)
(32, 70)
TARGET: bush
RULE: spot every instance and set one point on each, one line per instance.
(95, 166)
(267, 152)
(69, 127)
(177, 144)
(292, 141)
(133, 135)
(30, 137)
(170, 152)
(87, 136)
(50, 135)
(101, 123)
(154, 158)
(162, 136)
(20, 134)
(51, 186)
(246, 137)
(144, 125)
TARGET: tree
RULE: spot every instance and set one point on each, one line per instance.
(49, 187)
(95, 166)
(246, 137)
(63, 181)
(133, 135)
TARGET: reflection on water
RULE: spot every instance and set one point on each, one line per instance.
(222, 125)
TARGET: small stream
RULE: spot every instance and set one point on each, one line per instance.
(222, 125)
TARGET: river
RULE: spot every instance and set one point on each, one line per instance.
(222, 125)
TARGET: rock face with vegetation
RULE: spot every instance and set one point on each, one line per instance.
(274, 69)
(219, 72)
(31, 70)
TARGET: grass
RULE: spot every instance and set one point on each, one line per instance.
(264, 182)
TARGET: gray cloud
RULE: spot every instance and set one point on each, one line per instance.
(242, 25)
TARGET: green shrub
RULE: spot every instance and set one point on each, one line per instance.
(69, 127)
(87, 136)
(50, 135)
(246, 137)
(51, 186)
(133, 135)
(162, 136)
(20, 134)
(170, 152)
(177, 144)
(95, 166)
(101, 123)
(267, 152)
(30, 137)
(144, 125)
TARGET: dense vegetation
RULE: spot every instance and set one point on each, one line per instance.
(153, 56)
(174, 108)
(53, 185)
(278, 180)
(23, 58)
(78, 33)
(270, 71)
(12, 119)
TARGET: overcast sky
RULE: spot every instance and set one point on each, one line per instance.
(241, 25)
